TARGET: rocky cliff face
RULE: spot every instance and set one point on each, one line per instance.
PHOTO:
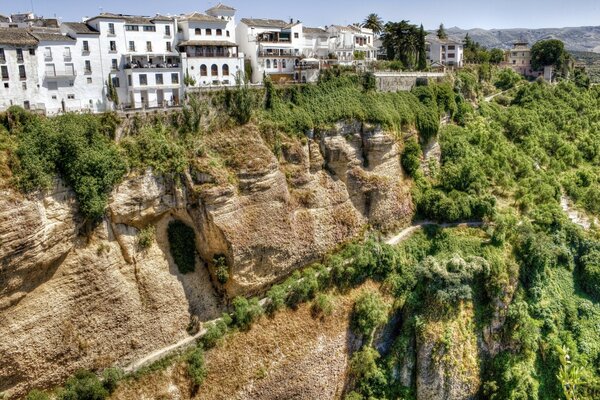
(76, 296)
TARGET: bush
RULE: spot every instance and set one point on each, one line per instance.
(245, 312)
(507, 79)
(322, 305)
(369, 380)
(157, 148)
(182, 244)
(276, 295)
(196, 367)
(370, 311)
(214, 332)
(36, 395)
(411, 157)
(221, 268)
(240, 103)
(146, 236)
(369, 82)
(84, 385)
(111, 378)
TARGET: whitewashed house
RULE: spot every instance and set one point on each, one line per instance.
(19, 70)
(446, 52)
(208, 49)
(352, 44)
(272, 47)
(141, 55)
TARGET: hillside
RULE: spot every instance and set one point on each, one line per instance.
(585, 38)
(260, 221)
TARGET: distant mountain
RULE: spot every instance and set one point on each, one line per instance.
(584, 38)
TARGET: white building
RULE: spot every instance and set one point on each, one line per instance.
(445, 52)
(141, 55)
(352, 44)
(19, 70)
(272, 47)
(208, 49)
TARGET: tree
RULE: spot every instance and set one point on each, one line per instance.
(188, 80)
(548, 53)
(507, 79)
(441, 32)
(370, 311)
(496, 56)
(196, 366)
(111, 91)
(422, 64)
(373, 22)
(402, 42)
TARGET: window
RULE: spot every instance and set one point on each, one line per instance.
(175, 79)
(2, 56)
(296, 35)
(214, 70)
(19, 55)
(88, 67)
(167, 30)
(131, 45)
(26, 105)
(132, 28)
(22, 74)
(225, 70)
(274, 63)
(451, 55)
(24, 85)
(89, 81)
(32, 52)
(129, 80)
(111, 28)
(149, 28)
(71, 83)
(113, 46)
(71, 97)
(116, 82)
(86, 46)
(115, 64)
(203, 71)
(198, 31)
(4, 73)
(268, 63)
(149, 46)
(169, 47)
(452, 47)
(227, 33)
(6, 85)
(219, 32)
(282, 63)
(67, 53)
(208, 32)
(143, 79)
(159, 79)
(54, 97)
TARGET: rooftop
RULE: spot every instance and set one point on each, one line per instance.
(17, 37)
(314, 31)
(81, 28)
(267, 23)
(132, 19)
(51, 36)
(221, 6)
(199, 17)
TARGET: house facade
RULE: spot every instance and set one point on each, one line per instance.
(445, 52)
(208, 48)
(141, 58)
(271, 47)
(519, 59)
(350, 44)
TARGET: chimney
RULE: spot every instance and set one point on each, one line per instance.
(291, 20)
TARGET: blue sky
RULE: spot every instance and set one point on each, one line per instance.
(463, 13)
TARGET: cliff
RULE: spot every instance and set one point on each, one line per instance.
(75, 295)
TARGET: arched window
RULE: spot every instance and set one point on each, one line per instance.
(219, 32)
(198, 31)
(225, 70)
(203, 70)
(208, 32)
(283, 64)
(214, 70)
(268, 63)
(275, 63)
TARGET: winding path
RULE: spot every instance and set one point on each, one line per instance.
(190, 341)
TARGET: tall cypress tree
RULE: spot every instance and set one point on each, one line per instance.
(422, 64)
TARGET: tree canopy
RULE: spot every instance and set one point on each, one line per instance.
(373, 22)
(548, 53)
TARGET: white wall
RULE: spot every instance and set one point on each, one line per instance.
(15, 94)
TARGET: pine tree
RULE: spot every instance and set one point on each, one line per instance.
(441, 32)
(422, 64)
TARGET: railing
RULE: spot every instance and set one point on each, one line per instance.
(2, 60)
(277, 53)
(48, 57)
(285, 40)
(20, 59)
(151, 66)
(67, 56)
(61, 74)
(209, 53)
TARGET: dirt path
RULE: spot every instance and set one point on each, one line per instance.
(575, 216)
(191, 340)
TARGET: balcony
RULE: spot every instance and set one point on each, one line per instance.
(67, 56)
(210, 53)
(47, 56)
(279, 53)
(56, 75)
(2, 60)
(85, 52)
(138, 66)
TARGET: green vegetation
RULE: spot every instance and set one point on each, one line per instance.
(245, 312)
(37, 395)
(221, 268)
(370, 311)
(84, 385)
(549, 52)
(196, 367)
(405, 43)
(322, 305)
(146, 237)
(182, 244)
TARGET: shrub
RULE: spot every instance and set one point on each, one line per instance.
(322, 305)
(245, 312)
(214, 332)
(111, 378)
(155, 147)
(507, 79)
(240, 103)
(276, 295)
(369, 82)
(369, 380)
(146, 236)
(411, 157)
(221, 268)
(370, 311)
(196, 367)
(182, 244)
(84, 385)
(36, 395)
(590, 274)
